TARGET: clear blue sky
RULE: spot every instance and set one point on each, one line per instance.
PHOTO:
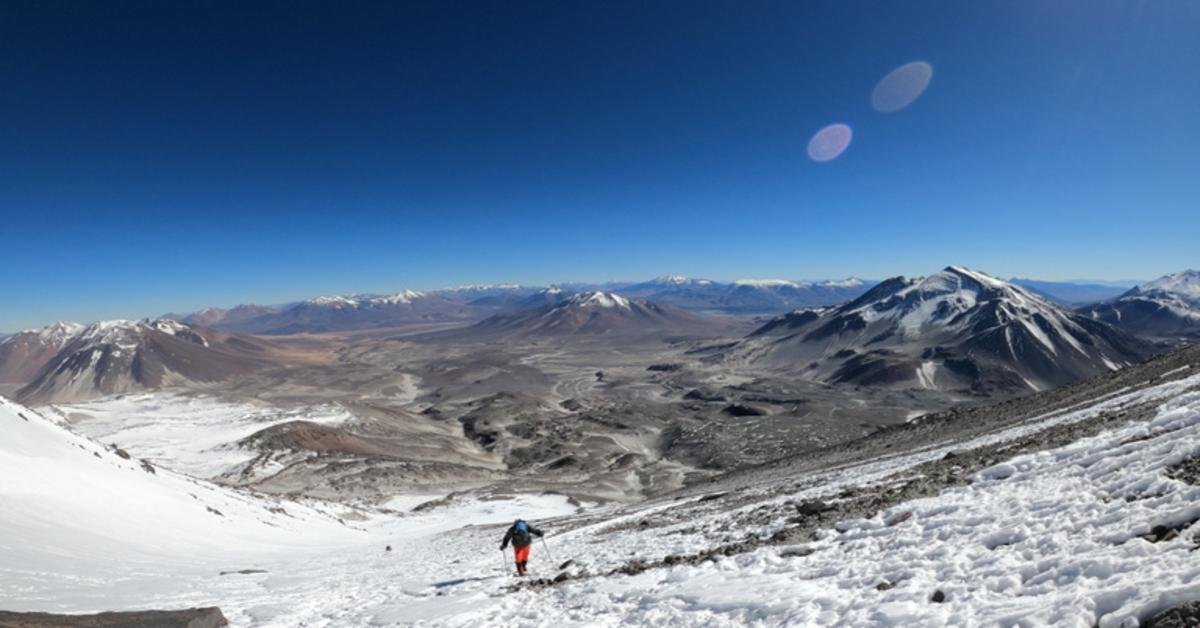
(172, 155)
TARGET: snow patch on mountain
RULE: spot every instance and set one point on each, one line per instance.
(194, 434)
(366, 300)
(57, 333)
(597, 299)
(1184, 284)
(765, 283)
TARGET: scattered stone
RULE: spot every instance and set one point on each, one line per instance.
(1163, 533)
(884, 586)
(388, 548)
(120, 452)
(1186, 471)
(566, 564)
(214, 511)
(665, 368)
(243, 572)
(711, 496)
(900, 518)
(147, 467)
(938, 597)
(562, 577)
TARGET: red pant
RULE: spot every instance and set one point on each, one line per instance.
(521, 553)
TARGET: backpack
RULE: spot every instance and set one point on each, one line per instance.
(521, 537)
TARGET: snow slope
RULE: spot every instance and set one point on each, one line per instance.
(1053, 537)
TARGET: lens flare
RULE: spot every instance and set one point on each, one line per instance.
(829, 142)
(901, 87)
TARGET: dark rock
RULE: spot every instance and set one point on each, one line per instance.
(566, 564)
(562, 577)
(388, 548)
(884, 586)
(711, 496)
(147, 467)
(1186, 471)
(938, 597)
(900, 518)
(704, 395)
(244, 572)
(812, 507)
(210, 617)
(1186, 615)
(737, 409)
(665, 368)
(120, 452)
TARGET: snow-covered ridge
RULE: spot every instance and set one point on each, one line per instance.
(849, 282)
(366, 300)
(766, 283)
(111, 331)
(482, 287)
(680, 280)
(1184, 284)
(598, 299)
(56, 333)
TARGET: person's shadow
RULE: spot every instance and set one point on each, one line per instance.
(451, 583)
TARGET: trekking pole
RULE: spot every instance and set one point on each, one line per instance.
(547, 548)
(503, 562)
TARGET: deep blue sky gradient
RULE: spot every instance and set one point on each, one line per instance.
(169, 156)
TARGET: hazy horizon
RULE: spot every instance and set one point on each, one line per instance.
(36, 324)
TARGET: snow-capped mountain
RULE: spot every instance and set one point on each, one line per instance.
(358, 311)
(507, 299)
(589, 313)
(745, 296)
(78, 362)
(1166, 308)
(23, 354)
(956, 329)
(472, 292)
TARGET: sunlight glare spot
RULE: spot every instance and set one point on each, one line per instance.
(901, 87)
(829, 142)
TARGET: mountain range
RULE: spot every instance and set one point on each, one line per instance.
(67, 361)
(957, 329)
(952, 331)
(1167, 308)
(587, 313)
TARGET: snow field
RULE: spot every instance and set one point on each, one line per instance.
(195, 435)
